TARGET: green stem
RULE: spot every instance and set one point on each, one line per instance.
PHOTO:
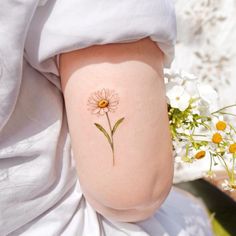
(211, 163)
(226, 113)
(200, 117)
(199, 135)
(199, 140)
(186, 153)
(206, 126)
(196, 140)
(232, 128)
(233, 105)
(231, 136)
(226, 166)
(232, 174)
(112, 144)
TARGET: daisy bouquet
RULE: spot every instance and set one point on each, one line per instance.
(199, 128)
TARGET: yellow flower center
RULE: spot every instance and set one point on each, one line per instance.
(103, 103)
(200, 154)
(216, 138)
(233, 186)
(232, 148)
(221, 125)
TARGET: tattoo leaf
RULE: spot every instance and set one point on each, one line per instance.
(104, 132)
(116, 124)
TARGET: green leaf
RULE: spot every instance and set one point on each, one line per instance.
(116, 124)
(104, 132)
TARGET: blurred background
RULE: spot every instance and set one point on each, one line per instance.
(206, 47)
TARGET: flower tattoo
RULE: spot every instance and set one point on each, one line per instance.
(102, 102)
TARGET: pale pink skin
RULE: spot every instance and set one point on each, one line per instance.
(135, 187)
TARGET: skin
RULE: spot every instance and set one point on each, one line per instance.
(134, 187)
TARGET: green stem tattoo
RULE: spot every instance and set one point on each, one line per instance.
(102, 102)
(112, 144)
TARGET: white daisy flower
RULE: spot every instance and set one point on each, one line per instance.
(208, 95)
(178, 97)
(103, 101)
(220, 124)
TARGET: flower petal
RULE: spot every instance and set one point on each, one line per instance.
(102, 112)
(207, 93)
(97, 110)
(103, 93)
(105, 109)
(114, 97)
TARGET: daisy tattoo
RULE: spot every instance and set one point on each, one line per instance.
(102, 102)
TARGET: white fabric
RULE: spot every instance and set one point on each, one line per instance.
(39, 191)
